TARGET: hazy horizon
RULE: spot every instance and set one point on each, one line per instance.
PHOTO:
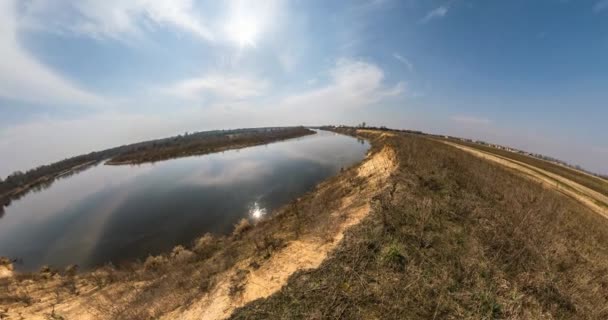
(81, 76)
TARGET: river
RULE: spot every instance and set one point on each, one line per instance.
(121, 213)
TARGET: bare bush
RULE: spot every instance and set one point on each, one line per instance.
(241, 227)
(203, 243)
(155, 262)
(181, 254)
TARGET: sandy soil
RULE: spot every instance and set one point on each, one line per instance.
(306, 253)
(6, 271)
(568, 187)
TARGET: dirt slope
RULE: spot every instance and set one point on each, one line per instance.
(303, 254)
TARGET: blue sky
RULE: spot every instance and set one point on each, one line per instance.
(83, 75)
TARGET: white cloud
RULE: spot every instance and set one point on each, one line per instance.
(115, 19)
(352, 84)
(240, 22)
(24, 78)
(228, 87)
(600, 6)
(404, 60)
(469, 120)
(439, 12)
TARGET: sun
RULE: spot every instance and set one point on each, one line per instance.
(243, 31)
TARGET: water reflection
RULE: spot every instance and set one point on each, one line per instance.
(120, 213)
(43, 185)
(256, 212)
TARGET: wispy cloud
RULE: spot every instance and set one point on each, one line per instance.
(241, 20)
(600, 6)
(404, 60)
(470, 120)
(113, 19)
(227, 87)
(23, 78)
(353, 85)
(438, 12)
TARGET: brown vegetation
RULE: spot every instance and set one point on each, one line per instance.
(456, 237)
(583, 178)
(420, 230)
(586, 196)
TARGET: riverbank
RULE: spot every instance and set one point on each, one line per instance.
(40, 183)
(217, 273)
(197, 144)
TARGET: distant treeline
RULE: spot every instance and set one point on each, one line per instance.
(205, 142)
(348, 129)
(19, 183)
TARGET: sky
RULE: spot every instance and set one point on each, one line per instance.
(84, 75)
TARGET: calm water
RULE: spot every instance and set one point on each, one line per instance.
(121, 213)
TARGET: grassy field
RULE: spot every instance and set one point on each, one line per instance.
(592, 182)
(420, 230)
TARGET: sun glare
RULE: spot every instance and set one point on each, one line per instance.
(256, 212)
(243, 31)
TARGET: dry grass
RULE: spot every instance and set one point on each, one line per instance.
(592, 182)
(241, 227)
(456, 238)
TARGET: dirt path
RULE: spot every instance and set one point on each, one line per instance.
(590, 198)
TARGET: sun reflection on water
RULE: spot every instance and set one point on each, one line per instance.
(256, 212)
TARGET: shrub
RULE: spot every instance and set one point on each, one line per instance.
(181, 254)
(154, 262)
(241, 227)
(203, 243)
